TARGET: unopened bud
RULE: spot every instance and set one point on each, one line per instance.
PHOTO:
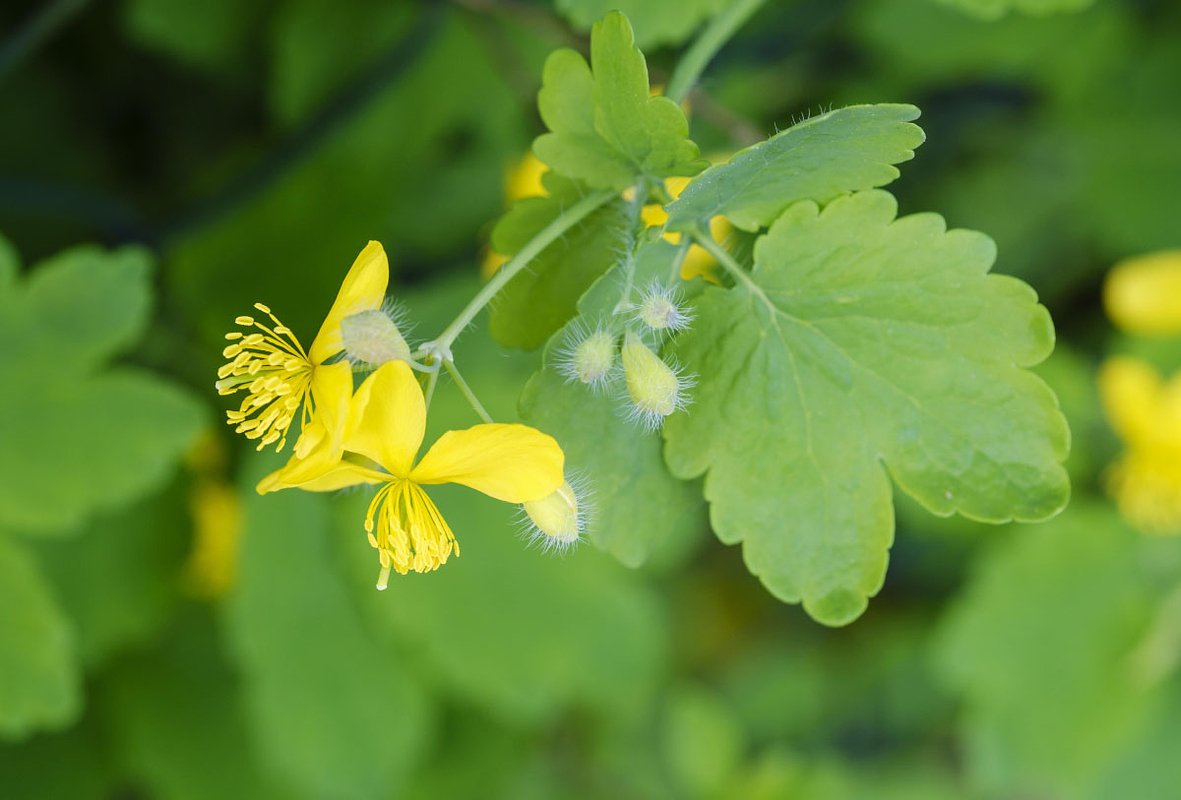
(655, 388)
(557, 519)
(373, 337)
(589, 358)
(659, 310)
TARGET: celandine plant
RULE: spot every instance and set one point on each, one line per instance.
(835, 350)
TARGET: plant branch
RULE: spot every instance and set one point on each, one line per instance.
(706, 46)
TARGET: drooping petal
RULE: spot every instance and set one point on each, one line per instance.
(363, 289)
(387, 418)
(321, 443)
(513, 463)
(341, 475)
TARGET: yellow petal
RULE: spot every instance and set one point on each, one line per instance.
(363, 289)
(513, 463)
(1131, 391)
(340, 475)
(1143, 295)
(387, 418)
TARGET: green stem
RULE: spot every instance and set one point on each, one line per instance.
(441, 346)
(634, 209)
(708, 43)
(724, 258)
(468, 394)
(431, 381)
(674, 276)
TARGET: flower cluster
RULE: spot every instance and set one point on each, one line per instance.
(372, 434)
(1143, 297)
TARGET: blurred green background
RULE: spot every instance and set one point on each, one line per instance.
(165, 633)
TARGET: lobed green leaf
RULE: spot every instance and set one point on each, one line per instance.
(40, 684)
(864, 348)
(605, 128)
(78, 439)
(847, 150)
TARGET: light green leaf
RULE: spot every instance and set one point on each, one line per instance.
(520, 633)
(605, 128)
(640, 509)
(995, 9)
(118, 580)
(655, 21)
(862, 344)
(1041, 648)
(333, 709)
(542, 297)
(843, 151)
(78, 440)
(39, 680)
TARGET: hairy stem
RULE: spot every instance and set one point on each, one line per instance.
(441, 346)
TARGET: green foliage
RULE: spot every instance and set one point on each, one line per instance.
(843, 151)
(605, 129)
(79, 438)
(639, 509)
(541, 298)
(39, 681)
(655, 21)
(295, 633)
(703, 741)
(116, 580)
(994, 9)
(1043, 647)
(838, 358)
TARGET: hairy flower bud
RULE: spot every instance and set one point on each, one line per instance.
(372, 337)
(588, 357)
(654, 388)
(557, 519)
(660, 310)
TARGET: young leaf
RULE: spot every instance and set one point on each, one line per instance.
(655, 21)
(843, 151)
(39, 679)
(640, 509)
(605, 128)
(846, 355)
(77, 439)
(542, 297)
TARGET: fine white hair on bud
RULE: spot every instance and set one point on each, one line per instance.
(660, 308)
(371, 338)
(588, 356)
(654, 388)
(556, 522)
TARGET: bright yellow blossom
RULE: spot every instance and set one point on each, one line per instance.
(1143, 294)
(1145, 411)
(384, 428)
(279, 377)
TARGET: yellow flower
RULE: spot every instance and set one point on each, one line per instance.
(279, 377)
(1143, 294)
(1145, 411)
(384, 428)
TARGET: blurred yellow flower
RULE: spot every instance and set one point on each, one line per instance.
(216, 513)
(1143, 294)
(279, 377)
(1145, 411)
(385, 426)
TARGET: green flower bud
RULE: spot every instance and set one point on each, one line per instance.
(372, 337)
